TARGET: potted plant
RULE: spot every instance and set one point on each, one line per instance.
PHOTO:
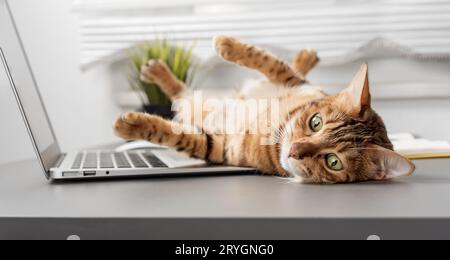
(179, 59)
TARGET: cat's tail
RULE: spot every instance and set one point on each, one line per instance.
(157, 72)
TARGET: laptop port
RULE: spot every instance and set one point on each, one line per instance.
(89, 173)
(71, 174)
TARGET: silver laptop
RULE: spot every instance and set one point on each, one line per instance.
(85, 164)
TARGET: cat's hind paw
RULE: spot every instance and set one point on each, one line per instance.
(228, 48)
(305, 61)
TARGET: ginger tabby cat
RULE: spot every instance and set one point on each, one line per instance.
(317, 138)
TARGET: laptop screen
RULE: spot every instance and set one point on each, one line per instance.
(21, 79)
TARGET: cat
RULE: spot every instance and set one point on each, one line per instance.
(320, 138)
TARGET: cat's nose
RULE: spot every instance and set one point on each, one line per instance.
(301, 150)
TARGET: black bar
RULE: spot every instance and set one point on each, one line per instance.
(225, 229)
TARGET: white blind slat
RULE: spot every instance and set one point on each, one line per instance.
(268, 15)
(331, 26)
(105, 5)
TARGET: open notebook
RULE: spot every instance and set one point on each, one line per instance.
(417, 148)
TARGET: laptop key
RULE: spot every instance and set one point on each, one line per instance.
(154, 161)
(78, 160)
(137, 161)
(121, 160)
(106, 161)
(91, 161)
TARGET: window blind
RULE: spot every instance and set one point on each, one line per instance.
(333, 27)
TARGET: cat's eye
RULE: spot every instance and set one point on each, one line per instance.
(334, 163)
(316, 123)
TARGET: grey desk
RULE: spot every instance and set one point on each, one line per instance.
(223, 207)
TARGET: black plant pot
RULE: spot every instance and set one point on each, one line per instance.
(164, 111)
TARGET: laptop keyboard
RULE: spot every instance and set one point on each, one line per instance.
(78, 161)
(153, 160)
(110, 160)
(90, 161)
(121, 160)
(137, 161)
(106, 161)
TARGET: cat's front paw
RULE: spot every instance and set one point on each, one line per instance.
(154, 70)
(134, 126)
(228, 48)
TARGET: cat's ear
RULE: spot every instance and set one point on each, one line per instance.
(392, 164)
(356, 98)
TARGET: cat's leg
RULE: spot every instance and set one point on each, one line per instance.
(305, 61)
(158, 72)
(140, 126)
(276, 70)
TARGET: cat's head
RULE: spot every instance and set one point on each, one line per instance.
(341, 139)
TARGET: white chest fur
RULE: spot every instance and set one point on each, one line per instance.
(263, 89)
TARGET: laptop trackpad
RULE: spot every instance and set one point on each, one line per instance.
(175, 159)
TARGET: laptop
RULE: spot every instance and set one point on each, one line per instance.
(84, 164)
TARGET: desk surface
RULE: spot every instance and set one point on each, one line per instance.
(24, 193)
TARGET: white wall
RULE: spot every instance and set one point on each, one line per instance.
(13, 145)
(429, 118)
(81, 106)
